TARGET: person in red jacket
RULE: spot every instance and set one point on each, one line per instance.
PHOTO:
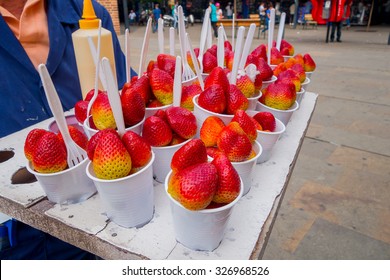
(336, 18)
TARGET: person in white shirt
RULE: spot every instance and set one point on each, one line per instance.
(229, 10)
(219, 11)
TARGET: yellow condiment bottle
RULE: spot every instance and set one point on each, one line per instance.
(89, 27)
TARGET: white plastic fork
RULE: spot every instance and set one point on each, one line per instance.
(161, 35)
(177, 83)
(145, 47)
(75, 154)
(188, 74)
(203, 36)
(196, 65)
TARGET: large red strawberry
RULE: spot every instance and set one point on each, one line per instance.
(266, 72)
(260, 52)
(276, 56)
(229, 59)
(151, 65)
(156, 132)
(139, 150)
(31, 142)
(213, 99)
(194, 187)
(246, 123)
(299, 59)
(167, 63)
(279, 96)
(141, 86)
(227, 45)
(217, 77)
(245, 84)
(308, 63)
(229, 182)
(191, 153)
(77, 136)
(49, 155)
(266, 120)
(91, 145)
(133, 107)
(234, 142)
(281, 67)
(236, 100)
(162, 86)
(290, 75)
(182, 121)
(187, 95)
(300, 71)
(209, 62)
(101, 112)
(80, 110)
(286, 48)
(210, 130)
(111, 160)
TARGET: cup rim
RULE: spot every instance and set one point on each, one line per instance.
(291, 109)
(205, 211)
(307, 81)
(195, 101)
(158, 108)
(257, 96)
(272, 80)
(94, 178)
(86, 125)
(70, 169)
(254, 112)
(171, 146)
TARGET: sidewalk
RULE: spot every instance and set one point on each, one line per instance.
(337, 203)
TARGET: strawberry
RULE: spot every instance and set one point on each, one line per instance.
(286, 48)
(276, 56)
(299, 59)
(161, 114)
(229, 59)
(210, 130)
(279, 96)
(101, 112)
(209, 62)
(91, 145)
(133, 107)
(279, 69)
(266, 72)
(79, 137)
(213, 50)
(111, 160)
(141, 86)
(229, 182)
(299, 71)
(290, 62)
(266, 120)
(181, 121)
(187, 95)
(139, 150)
(227, 45)
(176, 139)
(260, 52)
(236, 100)
(292, 76)
(31, 142)
(212, 151)
(154, 104)
(257, 125)
(80, 110)
(156, 132)
(167, 63)
(162, 86)
(151, 65)
(234, 142)
(191, 153)
(308, 63)
(90, 94)
(49, 155)
(217, 77)
(189, 59)
(194, 187)
(246, 124)
(213, 99)
(245, 84)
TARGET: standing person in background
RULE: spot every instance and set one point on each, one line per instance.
(132, 17)
(219, 11)
(336, 19)
(213, 17)
(188, 7)
(268, 15)
(175, 14)
(35, 32)
(292, 13)
(156, 16)
(229, 11)
(262, 11)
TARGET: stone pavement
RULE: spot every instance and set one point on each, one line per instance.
(337, 204)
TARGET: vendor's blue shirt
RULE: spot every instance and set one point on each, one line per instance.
(22, 98)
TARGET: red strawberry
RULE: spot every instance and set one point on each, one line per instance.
(31, 142)
(141, 86)
(209, 62)
(102, 114)
(176, 139)
(229, 59)
(79, 137)
(279, 96)
(187, 95)
(111, 160)
(213, 99)
(266, 120)
(156, 132)
(299, 59)
(210, 130)
(276, 57)
(49, 155)
(161, 114)
(245, 84)
(195, 186)
(80, 110)
(181, 121)
(90, 94)
(308, 63)
(279, 69)
(189, 58)
(286, 47)
(229, 182)
(290, 75)
(91, 145)
(212, 151)
(213, 50)
(236, 100)
(260, 52)
(154, 104)
(217, 77)
(139, 150)
(167, 63)
(151, 65)
(162, 86)
(191, 153)
(266, 72)
(300, 71)
(133, 107)
(227, 45)
(234, 142)
(246, 124)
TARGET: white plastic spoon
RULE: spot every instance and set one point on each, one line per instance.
(177, 82)
(281, 30)
(247, 46)
(161, 35)
(172, 41)
(145, 46)
(237, 54)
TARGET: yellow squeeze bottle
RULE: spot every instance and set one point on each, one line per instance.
(89, 27)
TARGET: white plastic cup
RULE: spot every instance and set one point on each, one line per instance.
(70, 120)
(69, 186)
(202, 114)
(163, 158)
(267, 139)
(283, 115)
(201, 230)
(127, 201)
(287, 57)
(309, 74)
(300, 95)
(265, 84)
(137, 128)
(252, 101)
(152, 110)
(306, 83)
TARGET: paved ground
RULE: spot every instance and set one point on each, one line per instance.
(337, 205)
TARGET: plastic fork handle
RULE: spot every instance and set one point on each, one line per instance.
(113, 96)
(54, 102)
(144, 50)
(172, 41)
(247, 46)
(280, 31)
(94, 54)
(182, 36)
(161, 35)
(196, 65)
(177, 83)
(127, 55)
(220, 48)
(237, 54)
